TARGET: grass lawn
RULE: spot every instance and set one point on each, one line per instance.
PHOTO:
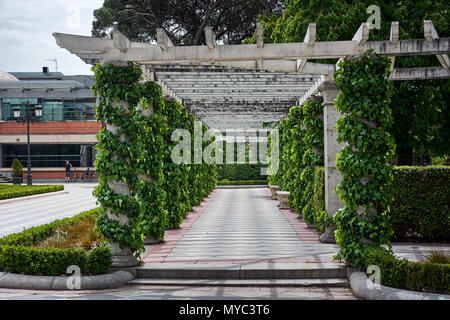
(8, 191)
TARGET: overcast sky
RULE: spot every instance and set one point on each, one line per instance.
(26, 28)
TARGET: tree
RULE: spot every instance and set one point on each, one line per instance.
(420, 108)
(183, 20)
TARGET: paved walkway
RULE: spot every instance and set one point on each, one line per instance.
(245, 225)
(26, 212)
(241, 225)
(185, 293)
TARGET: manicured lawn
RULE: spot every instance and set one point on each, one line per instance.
(8, 191)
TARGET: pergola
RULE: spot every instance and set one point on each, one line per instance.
(242, 86)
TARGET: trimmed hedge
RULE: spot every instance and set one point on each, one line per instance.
(17, 254)
(242, 182)
(237, 172)
(421, 206)
(15, 191)
(404, 274)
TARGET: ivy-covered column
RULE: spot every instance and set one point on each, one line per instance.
(331, 148)
(366, 172)
(116, 161)
(150, 148)
(313, 155)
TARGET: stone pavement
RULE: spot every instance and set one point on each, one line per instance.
(240, 225)
(26, 212)
(184, 293)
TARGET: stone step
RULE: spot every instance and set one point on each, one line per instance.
(257, 271)
(332, 282)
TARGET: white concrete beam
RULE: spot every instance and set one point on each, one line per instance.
(260, 36)
(431, 35)
(93, 48)
(394, 33)
(362, 35)
(120, 41)
(420, 73)
(310, 37)
(210, 38)
(163, 39)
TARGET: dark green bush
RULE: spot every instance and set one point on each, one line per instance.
(14, 191)
(18, 256)
(421, 206)
(17, 168)
(404, 274)
(420, 209)
(236, 172)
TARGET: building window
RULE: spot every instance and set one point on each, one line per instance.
(52, 109)
(50, 155)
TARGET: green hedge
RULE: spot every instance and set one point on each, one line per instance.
(237, 172)
(15, 191)
(17, 254)
(241, 182)
(421, 206)
(404, 274)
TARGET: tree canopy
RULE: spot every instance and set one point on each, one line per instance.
(420, 108)
(183, 20)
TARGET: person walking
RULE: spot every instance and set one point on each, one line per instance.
(68, 165)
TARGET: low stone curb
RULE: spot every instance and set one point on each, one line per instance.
(98, 282)
(358, 284)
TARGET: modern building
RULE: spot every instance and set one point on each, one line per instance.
(66, 130)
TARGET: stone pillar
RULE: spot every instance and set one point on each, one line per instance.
(331, 148)
(121, 257)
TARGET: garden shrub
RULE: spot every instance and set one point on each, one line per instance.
(421, 206)
(404, 274)
(17, 254)
(236, 172)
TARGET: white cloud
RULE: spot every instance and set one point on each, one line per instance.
(26, 28)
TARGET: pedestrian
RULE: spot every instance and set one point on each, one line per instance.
(68, 165)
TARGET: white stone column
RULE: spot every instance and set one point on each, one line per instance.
(331, 148)
(121, 257)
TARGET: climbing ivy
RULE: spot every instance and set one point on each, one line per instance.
(295, 155)
(119, 151)
(363, 100)
(135, 156)
(176, 182)
(313, 155)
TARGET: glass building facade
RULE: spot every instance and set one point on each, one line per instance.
(52, 109)
(50, 155)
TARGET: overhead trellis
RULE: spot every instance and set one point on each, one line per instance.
(243, 86)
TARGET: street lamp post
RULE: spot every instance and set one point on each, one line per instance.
(28, 117)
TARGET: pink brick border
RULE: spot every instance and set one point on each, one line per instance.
(159, 252)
